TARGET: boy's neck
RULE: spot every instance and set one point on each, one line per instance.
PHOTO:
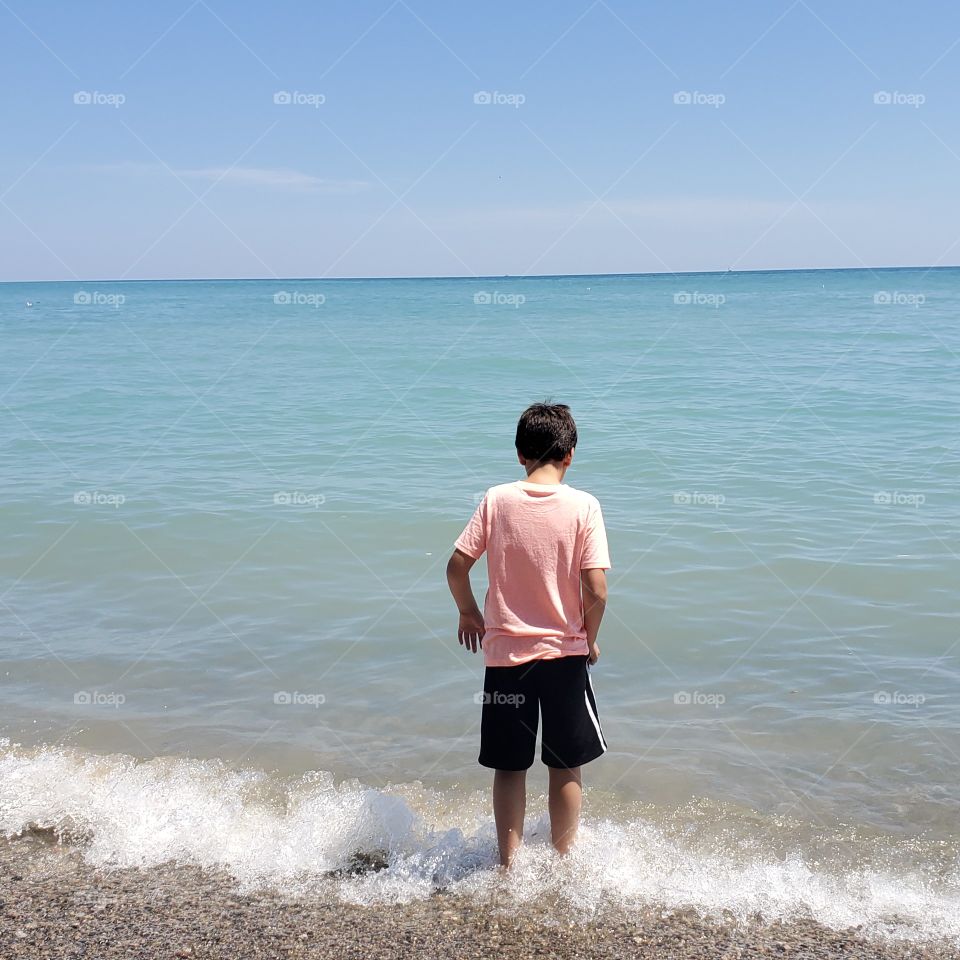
(546, 473)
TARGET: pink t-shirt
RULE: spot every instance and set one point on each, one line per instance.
(537, 537)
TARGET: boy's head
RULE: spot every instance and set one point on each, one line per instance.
(546, 432)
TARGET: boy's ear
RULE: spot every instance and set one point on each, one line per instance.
(569, 457)
(521, 458)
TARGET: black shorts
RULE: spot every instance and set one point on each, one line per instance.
(560, 689)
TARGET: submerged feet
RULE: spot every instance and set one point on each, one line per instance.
(509, 808)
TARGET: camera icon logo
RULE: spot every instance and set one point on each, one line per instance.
(483, 97)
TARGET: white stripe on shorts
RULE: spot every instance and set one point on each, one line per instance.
(593, 716)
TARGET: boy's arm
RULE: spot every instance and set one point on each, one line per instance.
(470, 630)
(594, 586)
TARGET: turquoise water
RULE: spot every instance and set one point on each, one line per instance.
(220, 495)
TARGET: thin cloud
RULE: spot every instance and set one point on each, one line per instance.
(274, 178)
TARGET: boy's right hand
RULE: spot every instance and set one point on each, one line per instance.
(471, 630)
(593, 653)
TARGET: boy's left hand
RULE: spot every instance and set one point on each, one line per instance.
(471, 629)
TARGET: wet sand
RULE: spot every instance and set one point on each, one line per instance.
(55, 905)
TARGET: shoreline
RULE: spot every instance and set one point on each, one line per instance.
(54, 904)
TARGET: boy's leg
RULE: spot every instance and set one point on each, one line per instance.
(571, 738)
(509, 806)
(566, 793)
(508, 742)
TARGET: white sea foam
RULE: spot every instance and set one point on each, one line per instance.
(296, 833)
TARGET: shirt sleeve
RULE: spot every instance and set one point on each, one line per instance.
(596, 555)
(473, 540)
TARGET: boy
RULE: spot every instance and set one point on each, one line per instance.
(546, 555)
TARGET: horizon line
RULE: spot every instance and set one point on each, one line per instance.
(503, 276)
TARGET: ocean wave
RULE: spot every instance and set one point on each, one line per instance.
(310, 835)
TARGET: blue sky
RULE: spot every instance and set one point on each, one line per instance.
(383, 164)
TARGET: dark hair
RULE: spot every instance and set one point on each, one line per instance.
(546, 431)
